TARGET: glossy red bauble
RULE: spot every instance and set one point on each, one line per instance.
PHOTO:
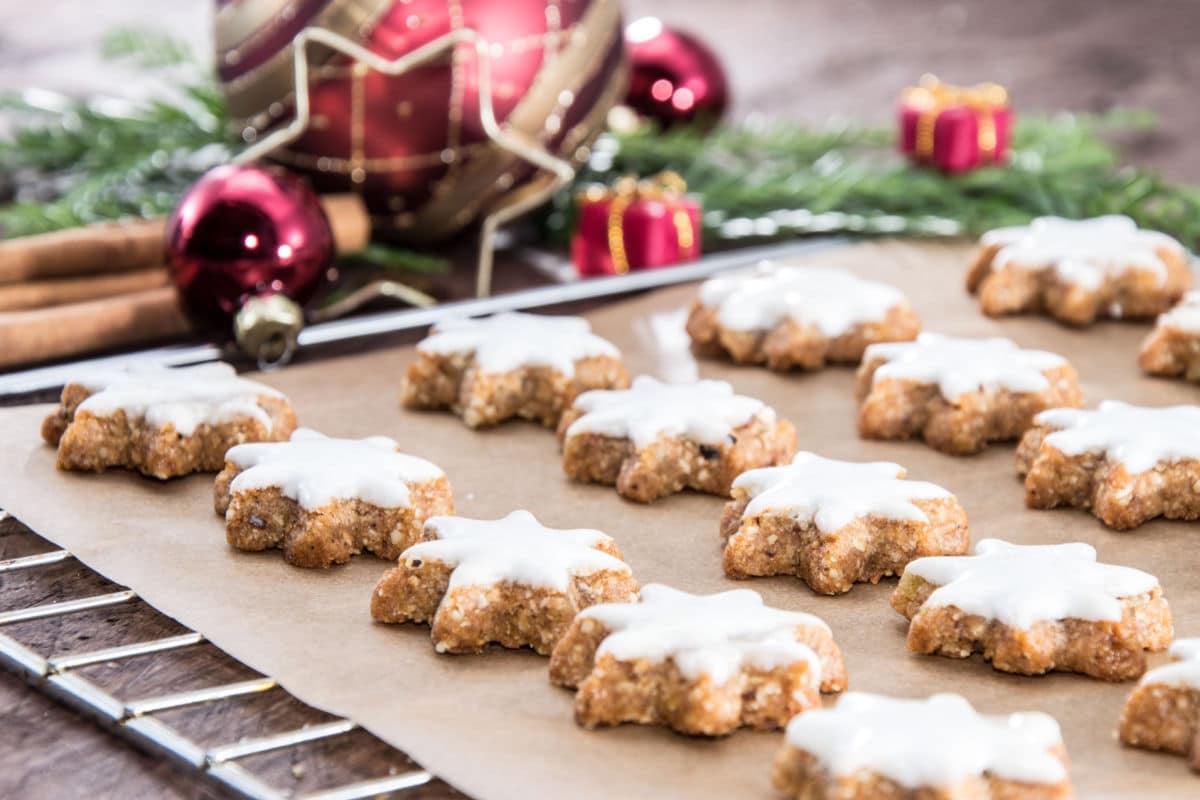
(242, 232)
(675, 76)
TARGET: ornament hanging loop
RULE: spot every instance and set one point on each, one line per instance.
(559, 172)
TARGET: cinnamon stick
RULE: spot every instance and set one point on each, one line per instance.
(28, 337)
(91, 250)
(61, 291)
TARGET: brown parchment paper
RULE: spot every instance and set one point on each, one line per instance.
(491, 724)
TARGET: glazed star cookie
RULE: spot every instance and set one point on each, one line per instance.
(322, 500)
(871, 746)
(699, 664)
(1173, 348)
(790, 316)
(1077, 271)
(1127, 464)
(1031, 609)
(959, 394)
(511, 581)
(833, 523)
(163, 422)
(510, 365)
(1163, 712)
(655, 439)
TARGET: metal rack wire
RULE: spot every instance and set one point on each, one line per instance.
(135, 719)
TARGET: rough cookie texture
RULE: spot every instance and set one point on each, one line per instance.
(510, 365)
(833, 523)
(1173, 348)
(511, 581)
(699, 664)
(323, 500)
(869, 747)
(1035, 609)
(1078, 271)
(655, 439)
(959, 394)
(163, 422)
(789, 316)
(1125, 463)
(1163, 712)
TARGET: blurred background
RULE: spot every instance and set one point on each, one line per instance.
(794, 59)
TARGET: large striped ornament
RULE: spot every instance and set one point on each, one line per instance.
(412, 144)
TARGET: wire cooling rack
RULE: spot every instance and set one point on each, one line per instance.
(137, 720)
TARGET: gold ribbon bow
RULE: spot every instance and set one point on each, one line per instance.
(666, 186)
(931, 96)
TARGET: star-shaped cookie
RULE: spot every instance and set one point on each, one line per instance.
(1126, 463)
(1031, 609)
(163, 422)
(322, 500)
(1079, 270)
(1172, 349)
(940, 747)
(655, 439)
(791, 316)
(958, 394)
(511, 581)
(1163, 712)
(832, 523)
(700, 664)
(510, 365)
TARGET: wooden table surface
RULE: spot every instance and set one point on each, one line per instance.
(786, 58)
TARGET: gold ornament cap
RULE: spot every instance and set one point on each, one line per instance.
(266, 329)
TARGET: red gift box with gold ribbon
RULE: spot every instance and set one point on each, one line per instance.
(955, 128)
(635, 225)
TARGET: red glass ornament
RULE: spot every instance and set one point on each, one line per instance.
(242, 232)
(412, 145)
(675, 76)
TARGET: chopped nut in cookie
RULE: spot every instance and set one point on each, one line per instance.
(322, 500)
(163, 422)
(510, 365)
(1127, 464)
(788, 316)
(959, 394)
(1079, 270)
(1033, 609)
(872, 746)
(699, 664)
(511, 581)
(834, 523)
(655, 439)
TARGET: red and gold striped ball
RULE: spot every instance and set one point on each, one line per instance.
(413, 144)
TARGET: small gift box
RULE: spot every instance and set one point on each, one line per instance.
(955, 128)
(635, 225)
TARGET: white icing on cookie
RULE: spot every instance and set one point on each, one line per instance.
(1136, 436)
(705, 411)
(1082, 252)
(314, 470)
(714, 634)
(831, 300)
(511, 340)
(1185, 316)
(1183, 671)
(832, 494)
(186, 397)
(937, 742)
(960, 366)
(516, 548)
(1023, 584)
